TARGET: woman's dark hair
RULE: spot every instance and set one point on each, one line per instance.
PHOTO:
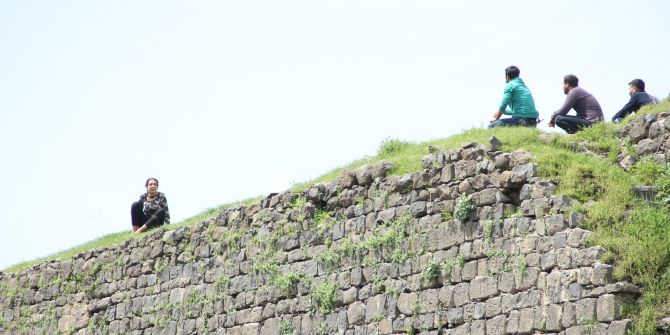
(638, 83)
(146, 183)
(571, 80)
(512, 72)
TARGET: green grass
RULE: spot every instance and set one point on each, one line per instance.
(637, 243)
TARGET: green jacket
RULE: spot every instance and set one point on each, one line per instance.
(517, 96)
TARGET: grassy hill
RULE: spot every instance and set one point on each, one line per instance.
(635, 232)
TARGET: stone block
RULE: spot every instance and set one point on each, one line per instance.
(506, 282)
(407, 303)
(554, 318)
(496, 325)
(569, 317)
(483, 287)
(469, 270)
(602, 274)
(608, 308)
(548, 261)
(564, 258)
(446, 296)
(461, 294)
(455, 315)
(513, 322)
(620, 327)
(526, 320)
(374, 307)
(448, 173)
(493, 307)
(356, 313)
(585, 310)
(508, 302)
(418, 209)
(588, 256)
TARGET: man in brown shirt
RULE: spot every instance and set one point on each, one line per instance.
(587, 108)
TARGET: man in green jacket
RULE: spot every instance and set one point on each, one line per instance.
(519, 100)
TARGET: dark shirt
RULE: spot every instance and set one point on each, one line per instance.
(585, 104)
(151, 207)
(637, 100)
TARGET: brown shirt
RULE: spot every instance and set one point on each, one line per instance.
(585, 104)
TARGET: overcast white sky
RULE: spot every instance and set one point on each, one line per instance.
(225, 100)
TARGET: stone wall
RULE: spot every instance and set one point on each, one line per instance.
(647, 135)
(475, 243)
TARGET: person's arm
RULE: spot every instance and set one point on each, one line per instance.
(164, 204)
(632, 105)
(141, 229)
(569, 102)
(507, 97)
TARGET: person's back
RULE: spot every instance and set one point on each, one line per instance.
(638, 98)
(521, 103)
(584, 103)
(517, 102)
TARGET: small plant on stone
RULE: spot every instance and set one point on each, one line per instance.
(222, 283)
(379, 317)
(416, 307)
(266, 263)
(298, 204)
(431, 271)
(232, 240)
(449, 264)
(488, 230)
(394, 291)
(285, 328)
(464, 206)
(360, 201)
(160, 265)
(446, 215)
(399, 255)
(323, 296)
(330, 258)
(287, 282)
(522, 265)
(323, 329)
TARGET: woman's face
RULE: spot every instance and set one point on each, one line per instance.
(152, 186)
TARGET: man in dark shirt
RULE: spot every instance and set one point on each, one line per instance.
(638, 98)
(587, 108)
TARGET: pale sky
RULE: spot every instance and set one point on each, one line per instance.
(226, 100)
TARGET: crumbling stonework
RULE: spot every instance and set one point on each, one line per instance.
(475, 243)
(647, 135)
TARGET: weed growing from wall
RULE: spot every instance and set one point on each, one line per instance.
(323, 296)
(285, 328)
(431, 270)
(446, 215)
(287, 282)
(464, 206)
(488, 230)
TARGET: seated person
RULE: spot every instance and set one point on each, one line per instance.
(587, 108)
(151, 210)
(521, 104)
(638, 98)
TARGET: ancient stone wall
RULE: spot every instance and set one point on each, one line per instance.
(647, 135)
(475, 243)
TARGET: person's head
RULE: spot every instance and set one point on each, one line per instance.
(636, 85)
(511, 72)
(570, 81)
(152, 185)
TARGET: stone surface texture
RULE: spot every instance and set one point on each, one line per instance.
(366, 254)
